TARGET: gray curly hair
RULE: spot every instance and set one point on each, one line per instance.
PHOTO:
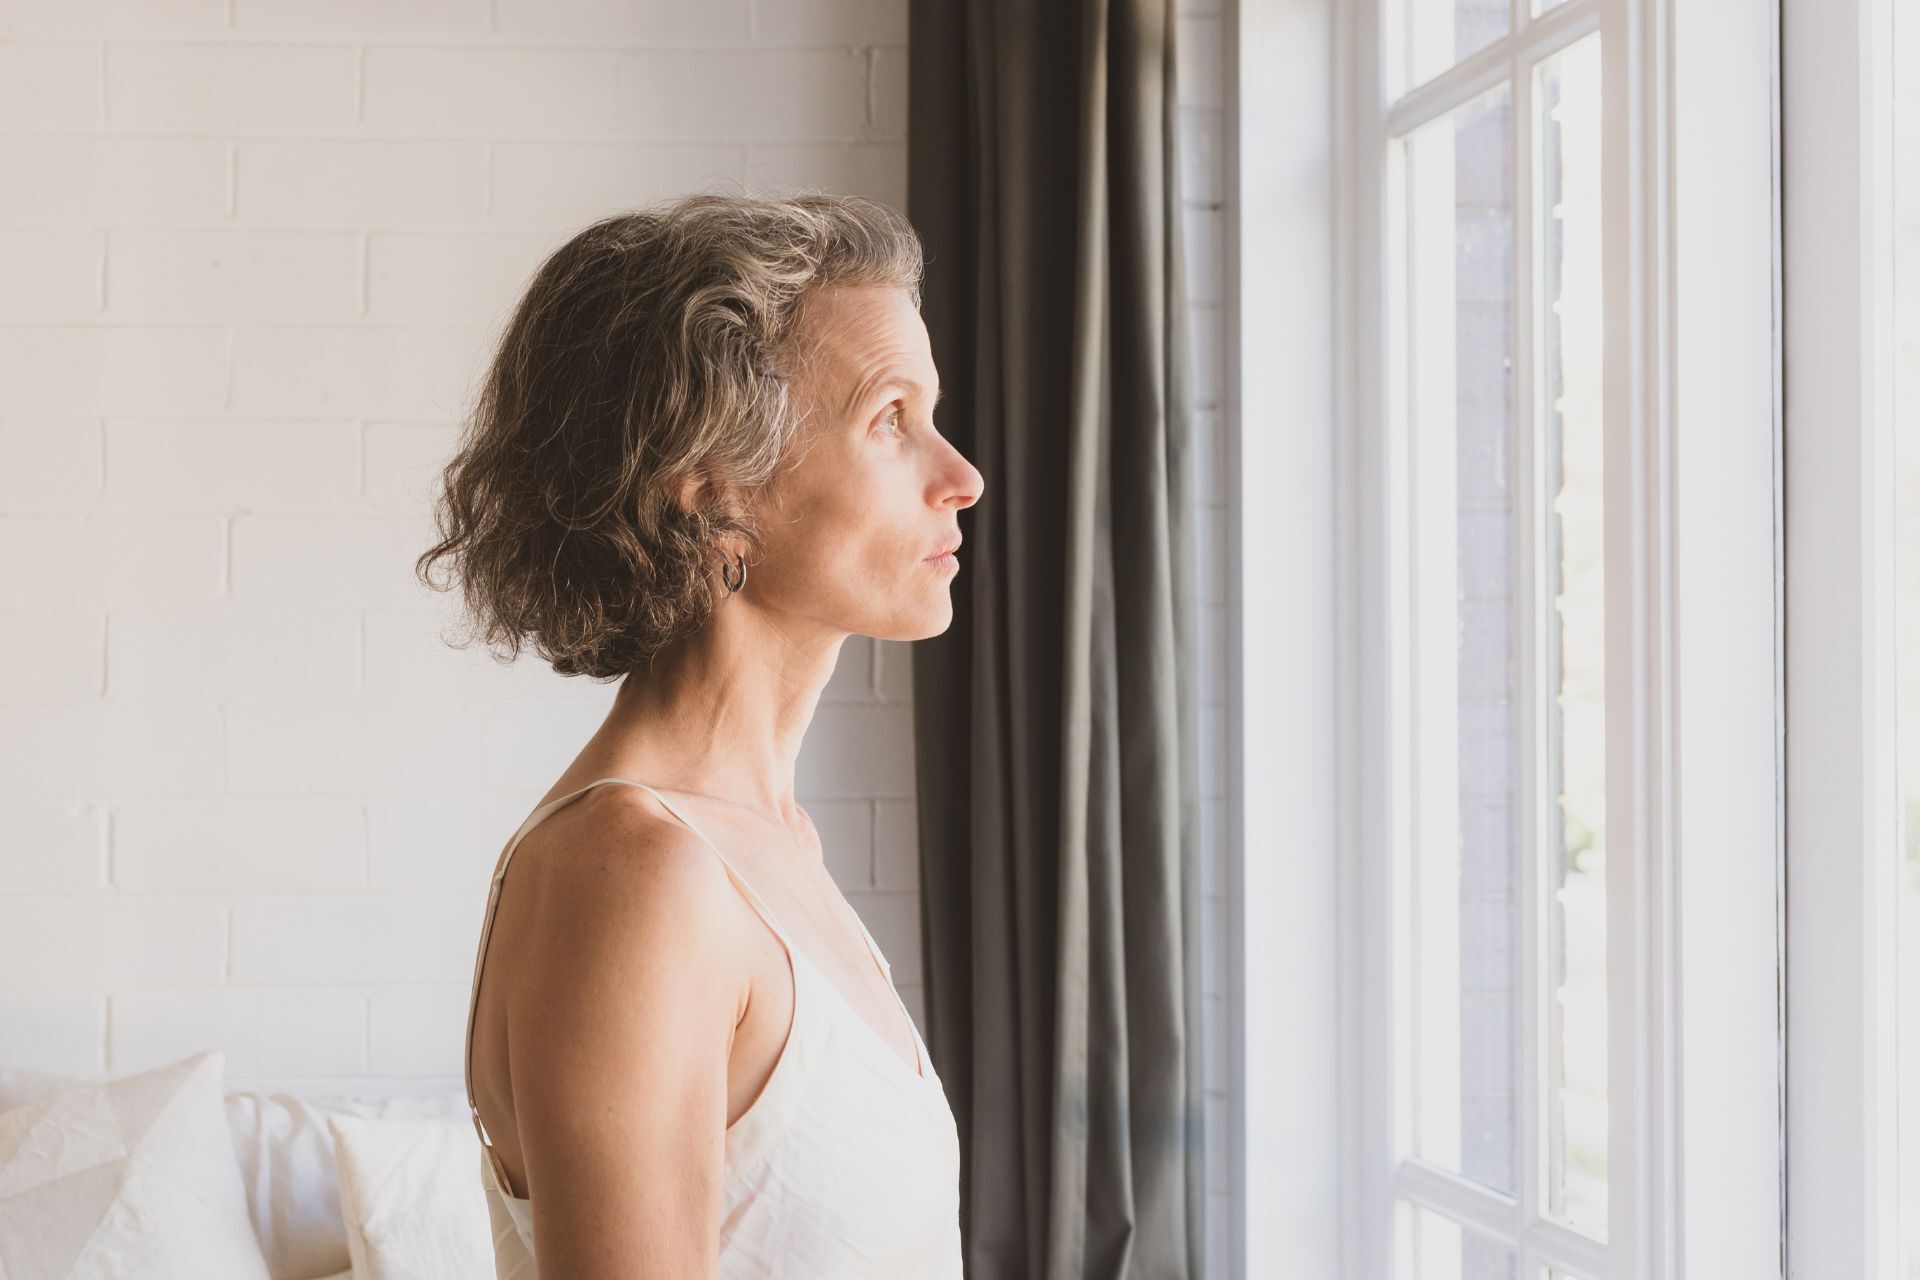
(654, 346)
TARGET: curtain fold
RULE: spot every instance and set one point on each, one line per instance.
(1056, 720)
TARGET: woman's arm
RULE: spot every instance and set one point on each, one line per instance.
(619, 1030)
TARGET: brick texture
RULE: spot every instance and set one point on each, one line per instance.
(253, 255)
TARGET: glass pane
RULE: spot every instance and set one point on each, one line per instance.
(1461, 982)
(1906, 286)
(1436, 34)
(1569, 376)
(1430, 1247)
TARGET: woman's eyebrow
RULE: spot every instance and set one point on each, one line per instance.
(901, 381)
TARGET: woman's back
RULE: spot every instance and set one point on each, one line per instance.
(845, 1164)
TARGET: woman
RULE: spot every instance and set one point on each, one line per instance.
(703, 457)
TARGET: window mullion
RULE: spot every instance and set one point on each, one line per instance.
(1530, 630)
(1640, 1043)
(1554, 1244)
(1458, 1199)
(1541, 38)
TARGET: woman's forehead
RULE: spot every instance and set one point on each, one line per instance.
(855, 334)
(844, 316)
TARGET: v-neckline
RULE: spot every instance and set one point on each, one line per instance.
(916, 1073)
(917, 1070)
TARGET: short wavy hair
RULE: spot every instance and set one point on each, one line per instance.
(654, 346)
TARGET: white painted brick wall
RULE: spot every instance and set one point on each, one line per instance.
(252, 254)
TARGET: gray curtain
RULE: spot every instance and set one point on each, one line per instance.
(1056, 719)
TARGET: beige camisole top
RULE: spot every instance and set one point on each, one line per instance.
(846, 1166)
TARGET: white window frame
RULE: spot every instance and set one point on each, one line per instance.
(1693, 684)
(1842, 642)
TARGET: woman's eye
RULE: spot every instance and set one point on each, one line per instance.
(892, 419)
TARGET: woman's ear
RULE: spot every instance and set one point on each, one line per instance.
(697, 491)
(690, 491)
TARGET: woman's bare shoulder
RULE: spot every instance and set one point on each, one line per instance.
(629, 986)
(615, 860)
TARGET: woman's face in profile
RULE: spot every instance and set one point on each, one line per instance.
(851, 527)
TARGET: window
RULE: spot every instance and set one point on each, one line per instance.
(1565, 520)
(1509, 883)
(1494, 366)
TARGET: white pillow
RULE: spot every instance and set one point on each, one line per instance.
(413, 1208)
(20, 1085)
(287, 1163)
(129, 1178)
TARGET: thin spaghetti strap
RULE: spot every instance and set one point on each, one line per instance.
(493, 901)
(886, 971)
(793, 953)
(873, 948)
(533, 820)
(753, 899)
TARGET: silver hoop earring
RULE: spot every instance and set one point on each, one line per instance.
(727, 577)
